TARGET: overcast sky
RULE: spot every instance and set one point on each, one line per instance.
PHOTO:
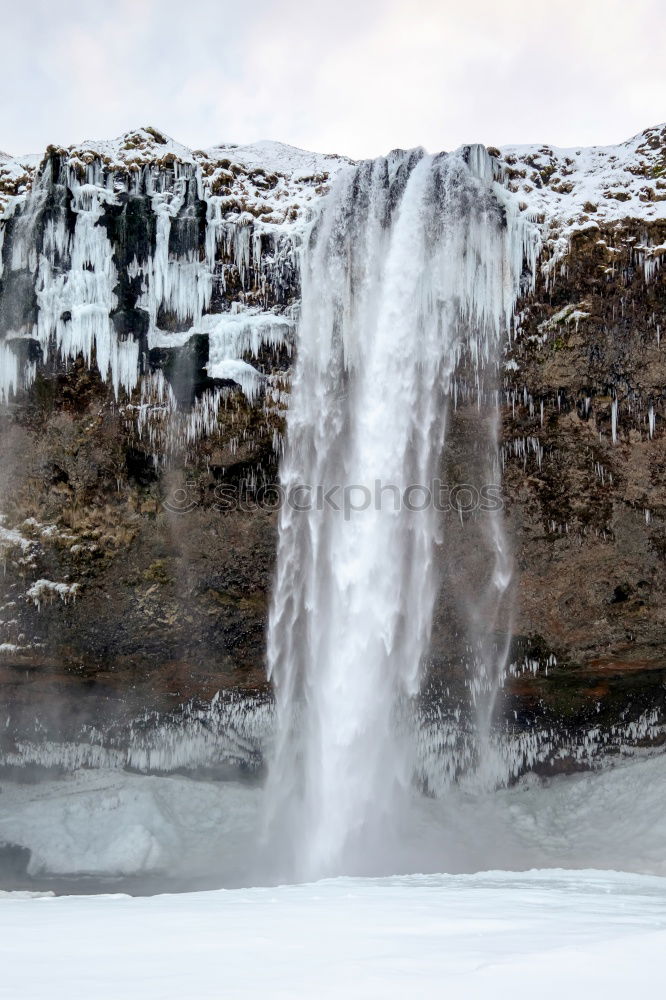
(350, 76)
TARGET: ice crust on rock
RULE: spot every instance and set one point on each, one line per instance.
(256, 200)
(42, 591)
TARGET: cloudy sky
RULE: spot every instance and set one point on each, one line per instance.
(351, 76)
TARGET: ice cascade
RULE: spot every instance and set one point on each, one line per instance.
(94, 259)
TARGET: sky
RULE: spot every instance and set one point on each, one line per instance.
(349, 76)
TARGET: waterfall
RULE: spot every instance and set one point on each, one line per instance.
(413, 265)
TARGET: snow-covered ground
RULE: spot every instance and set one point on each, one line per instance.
(545, 934)
(113, 823)
(559, 930)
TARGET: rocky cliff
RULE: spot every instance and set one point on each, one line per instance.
(148, 299)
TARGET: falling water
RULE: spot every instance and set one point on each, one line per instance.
(413, 265)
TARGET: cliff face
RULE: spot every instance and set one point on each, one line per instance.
(147, 304)
(585, 452)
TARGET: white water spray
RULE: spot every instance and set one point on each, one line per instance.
(414, 263)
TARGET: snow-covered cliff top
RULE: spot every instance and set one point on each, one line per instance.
(257, 201)
(578, 188)
(566, 189)
(272, 181)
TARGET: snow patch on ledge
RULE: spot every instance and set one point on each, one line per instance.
(43, 591)
(10, 538)
(243, 374)
(7, 648)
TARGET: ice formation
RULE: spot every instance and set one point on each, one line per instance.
(110, 822)
(73, 231)
(46, 590)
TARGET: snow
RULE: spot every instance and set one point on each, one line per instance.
(297, 174)
(280, 156)
(244, 374)
(595, 176)
(572, 189)
(555, 182)
(11, 538)
(16, 174)
(42, 591)
(497, 934)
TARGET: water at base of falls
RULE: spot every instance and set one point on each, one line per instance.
(413, 266)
